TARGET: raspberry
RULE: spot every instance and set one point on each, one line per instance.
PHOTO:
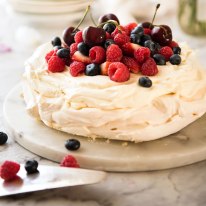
(117, 31)
(149, 67)
(9, 169)
(78, 37)
(76, 68)
(121, 39)
(142, 54)
(49, 55)
(147, 31)
(56, 64)
(73, 48)
(69, 161)
(129, 48)
(114, 53)
(108, 35)
(118, 72)
(166, 52)
(129, 27)
(97, 54)
(131, 64)
(173, 44)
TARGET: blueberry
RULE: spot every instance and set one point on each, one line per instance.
(177, 50)
(108, 42)
(56, 41)
(144, 38)
(31, 166)
(151, 45)
(63, 53)
(175, 59)
(145, 82)
(109, 27)
(83, 48)
(3, 138)
(92, 70)
(159, 59)
(138, 30)
(135, 38)
(72, 144)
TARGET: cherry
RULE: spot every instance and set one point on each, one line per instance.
(107, 17)
(94, 36)
(146, 25)
(162, 34)
(68, 35)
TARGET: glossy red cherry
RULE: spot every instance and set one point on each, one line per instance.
(107, 17)
(93, 36)
(68, 35)
(146, 25)
(162, 34)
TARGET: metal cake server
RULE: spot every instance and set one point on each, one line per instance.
(49, 177)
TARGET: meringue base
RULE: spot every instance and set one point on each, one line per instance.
(183, 148)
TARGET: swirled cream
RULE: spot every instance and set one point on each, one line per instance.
(95, 106)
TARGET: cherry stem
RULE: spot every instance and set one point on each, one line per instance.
(85, 14)
(91, 17)
(157, 7)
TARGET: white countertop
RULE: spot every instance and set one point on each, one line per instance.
(175, 187)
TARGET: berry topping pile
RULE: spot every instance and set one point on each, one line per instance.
(114, 50)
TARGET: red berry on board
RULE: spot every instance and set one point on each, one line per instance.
(69, 161)
(118, 72)
(9, 169)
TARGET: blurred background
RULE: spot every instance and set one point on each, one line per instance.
(25, 24)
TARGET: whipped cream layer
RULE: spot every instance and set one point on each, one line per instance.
(95, 106)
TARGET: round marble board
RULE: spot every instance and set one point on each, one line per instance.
(183, 148)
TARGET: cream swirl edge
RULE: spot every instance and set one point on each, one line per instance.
(98, 107)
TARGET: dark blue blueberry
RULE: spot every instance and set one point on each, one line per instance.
(63, 53)
(72, 144)
(151, 45)
(56, 41)
(177, 50)
(138, 30)
(92, 70)
(108, 42)
(175, 59)
(109, 27)
(135, 38)
(159, 59)
(144, 38)
(3, 138)
(83, 48)
(31, 166)
(145, 82)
